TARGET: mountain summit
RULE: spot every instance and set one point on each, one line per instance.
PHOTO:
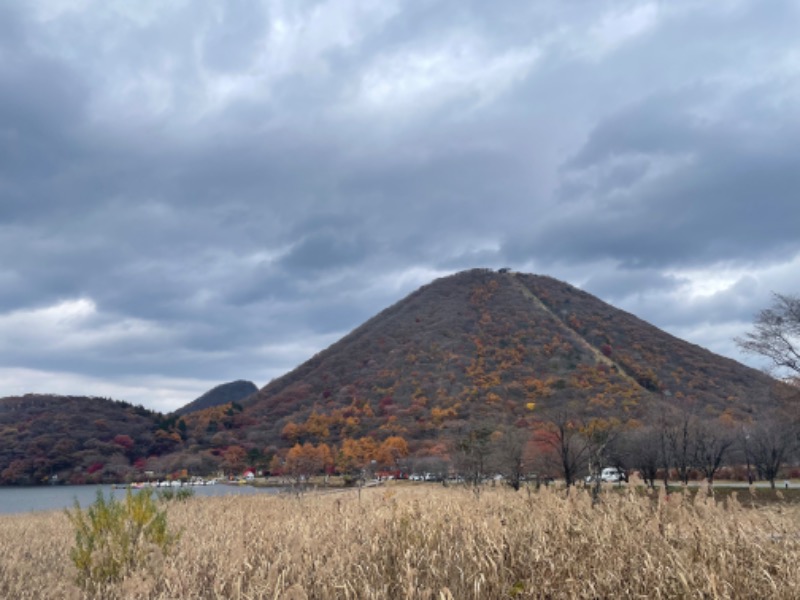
(502, 346)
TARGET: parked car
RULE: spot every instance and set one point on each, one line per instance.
(609, 475)
(613, 475)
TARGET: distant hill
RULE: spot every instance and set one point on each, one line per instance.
(226, 393)
(76, 439)
(484, 346)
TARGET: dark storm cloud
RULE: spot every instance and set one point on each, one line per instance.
(197, 192)
(655, 186)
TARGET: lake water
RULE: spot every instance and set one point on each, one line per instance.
(57, 497)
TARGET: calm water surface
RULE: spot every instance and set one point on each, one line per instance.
(57, 497)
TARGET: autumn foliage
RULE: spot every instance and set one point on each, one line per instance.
(478, 347)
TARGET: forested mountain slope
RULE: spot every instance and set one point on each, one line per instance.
(76, 439)
(483, 345)
(476, 349)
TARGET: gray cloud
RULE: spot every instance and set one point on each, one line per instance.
(617, 285)
(191, 193)
(654, 186)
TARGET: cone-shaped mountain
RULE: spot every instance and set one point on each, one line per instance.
(501, 346)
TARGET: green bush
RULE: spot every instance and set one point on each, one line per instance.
(113, 538)
(169, 494)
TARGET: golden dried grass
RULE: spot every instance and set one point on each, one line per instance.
(431, 542)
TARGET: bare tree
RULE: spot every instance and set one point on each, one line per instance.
(746, 449)
(600, 436)
(664, 447)
(472, 454)
(712, 442)
(776, 334)
(679, 433)
(771, 441)
(642, 448)
(509, 455)
(563, 435)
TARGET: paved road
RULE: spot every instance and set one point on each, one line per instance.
(779, 484)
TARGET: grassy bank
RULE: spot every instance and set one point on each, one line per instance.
(431, 542)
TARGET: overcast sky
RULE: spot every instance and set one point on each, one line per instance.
(194, 191)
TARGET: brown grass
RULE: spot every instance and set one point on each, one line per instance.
(431, 542)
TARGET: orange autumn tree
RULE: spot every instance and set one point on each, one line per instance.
(391, 451)
(233, 459)
(356, 455)
(316, 426)
(303, 461)
(292, 432)
(325, 456)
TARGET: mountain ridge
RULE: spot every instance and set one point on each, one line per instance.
(483, 342)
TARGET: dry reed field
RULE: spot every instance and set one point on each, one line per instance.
(433, 542)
